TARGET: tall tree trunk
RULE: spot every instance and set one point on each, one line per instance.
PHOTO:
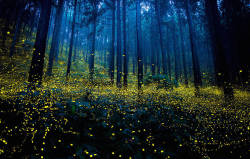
(152, 47)
(71, 41)
(138, 42)
(163, 55)
(92, 51)
(112, 49)
(37, 63)
(158, 59)
(196, 65)
(55, 39)
(221, 68)
(183, 49)
(118, 46)
(125, 55)
(176, 56)
(168, 55)
(236, 15)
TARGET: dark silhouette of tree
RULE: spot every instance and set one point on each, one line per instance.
(196, 65)
(71, 41)
(37, 63)
(180, 26)
(221, 66)
(138, 44)
(54, 50)
(125, 54)
(163, 54)
(118, 46)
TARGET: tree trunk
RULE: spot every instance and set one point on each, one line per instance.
(56, 35)
(163, 58)
(221, 68)
(183, 50)
(176, 56)
(112, 50)
(168, 55)
(125, 57)
(118, 46)
(92, 51)
(196, 66)
(37, 63)
(138, 40)
(71, 41)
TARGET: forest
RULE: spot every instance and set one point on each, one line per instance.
(132, 79)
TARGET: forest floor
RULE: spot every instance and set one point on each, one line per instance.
(76, 119)
(79, 119)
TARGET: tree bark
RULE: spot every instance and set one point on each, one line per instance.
(125, 55)
(71, 41)
(196, 65)
(221, 68)
(163, 55)
(55, 39)
(138, 42)
(112, 49)
(92, 51)
(118, 56)
(183, 50)
(37, 63)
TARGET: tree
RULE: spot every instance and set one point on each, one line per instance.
(138, 41)
(221, 67)
(125, 55)
(181, 24)
(56, 34)
(163, 55)
(71, 40)
(37, 63)
(119, 54)
(196, 65)
(112, 6)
